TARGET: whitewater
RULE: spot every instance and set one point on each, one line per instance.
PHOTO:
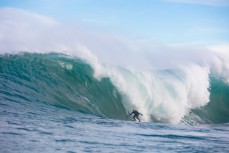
(56, 102)
(62, 92)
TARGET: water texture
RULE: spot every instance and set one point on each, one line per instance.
(58, 103)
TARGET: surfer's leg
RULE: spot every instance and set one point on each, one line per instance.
(134, 117)
(138, 118)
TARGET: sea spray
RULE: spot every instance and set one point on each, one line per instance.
(164, 96)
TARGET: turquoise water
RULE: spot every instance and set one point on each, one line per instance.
(54, 103)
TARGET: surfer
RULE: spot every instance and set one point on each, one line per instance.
(136, 114)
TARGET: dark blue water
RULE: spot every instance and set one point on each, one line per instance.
(53, 129)
(52, 103)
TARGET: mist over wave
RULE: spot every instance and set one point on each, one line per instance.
(108, 75)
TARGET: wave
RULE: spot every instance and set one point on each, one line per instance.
(58, 80)
(186, 94)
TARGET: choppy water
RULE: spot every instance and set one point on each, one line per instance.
(54, 129)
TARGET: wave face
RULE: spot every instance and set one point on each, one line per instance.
(58, 80)
(170, 96)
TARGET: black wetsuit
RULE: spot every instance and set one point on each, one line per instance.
(136, 114)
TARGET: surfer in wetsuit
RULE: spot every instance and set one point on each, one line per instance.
(136, 114)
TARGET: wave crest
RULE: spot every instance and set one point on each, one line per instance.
(186, 94)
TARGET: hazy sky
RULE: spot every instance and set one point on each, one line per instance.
(168, 21)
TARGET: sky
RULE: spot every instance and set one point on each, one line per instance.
(204, 22)
(141, 35)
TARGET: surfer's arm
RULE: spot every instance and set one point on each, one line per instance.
(130, 114)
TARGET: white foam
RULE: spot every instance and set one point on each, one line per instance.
(167, 97)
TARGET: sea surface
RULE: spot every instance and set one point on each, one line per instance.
(58, 103)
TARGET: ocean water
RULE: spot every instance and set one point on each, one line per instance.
(58, 103)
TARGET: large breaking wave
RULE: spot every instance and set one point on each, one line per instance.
(191, 94)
